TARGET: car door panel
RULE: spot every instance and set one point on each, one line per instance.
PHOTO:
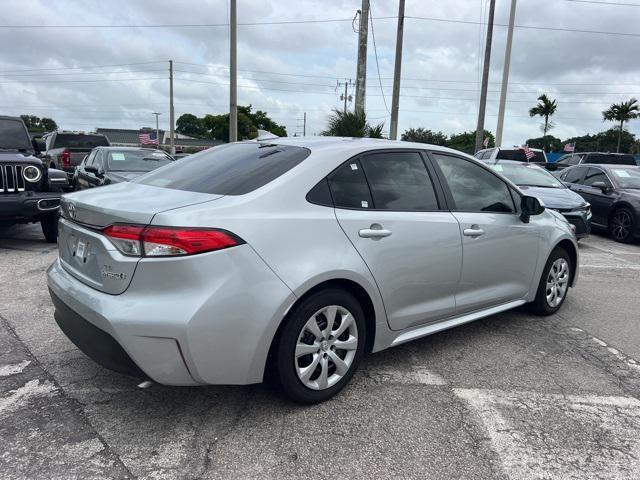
(600, 201)
(411, 246)
(500, 251)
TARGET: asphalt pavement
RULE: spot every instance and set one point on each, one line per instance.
(511, 396)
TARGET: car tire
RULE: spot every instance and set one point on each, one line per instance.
(313, 362)
(621, 225)
(49, 224)
(554, 284)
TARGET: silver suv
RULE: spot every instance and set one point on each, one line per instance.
(298, 255)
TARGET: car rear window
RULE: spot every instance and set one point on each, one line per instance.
(232, 169)
(519, 156)
(77, 140)
(610, 159)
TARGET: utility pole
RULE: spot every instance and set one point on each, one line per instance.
(361, 74)
(304, 124)
(172, 143)
(345, 96)
(485, 78)
(233, 86)
(157, 114)
(395, 100)
(505, 74)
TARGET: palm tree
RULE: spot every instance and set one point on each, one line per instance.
(622, 112)
(545, 108)
(351, 124)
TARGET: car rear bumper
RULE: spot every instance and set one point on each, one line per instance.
(28, 204)
(189, 321)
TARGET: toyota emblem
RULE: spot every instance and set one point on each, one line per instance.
(71, 208)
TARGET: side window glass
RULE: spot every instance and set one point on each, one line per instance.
(97, 161)
(349, 187)
(574, 175)
(474, 189)
(399, 181)
(89, 159)
(596, 175)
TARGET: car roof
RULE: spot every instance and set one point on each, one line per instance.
(317, 143)
(510, 162)
(9, 117)
(112, 147)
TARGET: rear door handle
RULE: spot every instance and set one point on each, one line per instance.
(374, 232)
(474, 231)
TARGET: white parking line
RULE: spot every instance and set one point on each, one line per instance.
(6, 370)
(617, 266)
(591, 436)
(20, 396)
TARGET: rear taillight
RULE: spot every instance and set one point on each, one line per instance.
(151, 241)
(65, 158)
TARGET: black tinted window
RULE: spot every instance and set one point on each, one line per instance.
(399, 181)
(596, 175)
(574, 175)
(232, 169)
(610, 159)
(13, 135)
(474, 189)
(349, 186)
(519, 156)
(76, 140)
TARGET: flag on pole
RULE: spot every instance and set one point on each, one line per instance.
(528, 153)
(570, 147)
(148, 138)
(485, 142)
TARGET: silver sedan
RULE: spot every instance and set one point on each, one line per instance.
(298, 256)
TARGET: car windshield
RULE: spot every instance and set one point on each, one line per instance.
(136, 160)
(517, 154)
(627, 177)
(79, 140)
(527, 175)
(13, 135)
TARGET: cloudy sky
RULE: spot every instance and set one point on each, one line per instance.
(115, 77)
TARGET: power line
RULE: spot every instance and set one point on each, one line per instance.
(618, 4)
(375, 51)
(80, 73)
(87, 81)
(83, 67)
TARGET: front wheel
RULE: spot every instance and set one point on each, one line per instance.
(621, 225)
(49, 224)
(321, 346)
(554, 283)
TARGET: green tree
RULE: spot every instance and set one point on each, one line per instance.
(606, 141)
(622, 112)
(37, 124)
(466, 141)
(351, 124)
(554, 144)
(545, 108)
(423, 135)
(189, 124)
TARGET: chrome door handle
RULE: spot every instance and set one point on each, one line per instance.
(473, 231)
(374, 233)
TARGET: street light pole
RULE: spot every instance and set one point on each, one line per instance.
(395, 99)
(505, 74)
(233, 85)
(361, 74)
(485, 79)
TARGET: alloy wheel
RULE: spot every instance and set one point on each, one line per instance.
(326, 347)
(621, 224)
(557, 282)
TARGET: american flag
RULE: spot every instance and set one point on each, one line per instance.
(148, 138)
(570, 147)
(485, 143)
(528, 152)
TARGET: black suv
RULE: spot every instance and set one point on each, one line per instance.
(594, 158)
(29, 191)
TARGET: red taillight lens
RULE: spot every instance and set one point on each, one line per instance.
(138, 240)
(65, 158)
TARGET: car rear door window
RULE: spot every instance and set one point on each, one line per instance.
(399, 181)
(596, 175)
(474, 188)
(574, 175)
(349, 187)
(231, 169)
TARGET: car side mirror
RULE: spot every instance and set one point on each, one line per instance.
(94, 170)
(602, 186)
(530, 206)
(39, 145)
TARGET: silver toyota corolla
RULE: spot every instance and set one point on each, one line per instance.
(298, 256)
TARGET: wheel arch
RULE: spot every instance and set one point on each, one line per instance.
(617, 206)
(351, 286)
(571, 249)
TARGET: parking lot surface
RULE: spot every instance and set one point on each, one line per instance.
(510, 396)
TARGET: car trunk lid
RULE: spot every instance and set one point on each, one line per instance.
(84, 250)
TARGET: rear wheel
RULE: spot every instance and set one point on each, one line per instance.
(621, 225)
(554, 283)
(321, 346)
(49, 224)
